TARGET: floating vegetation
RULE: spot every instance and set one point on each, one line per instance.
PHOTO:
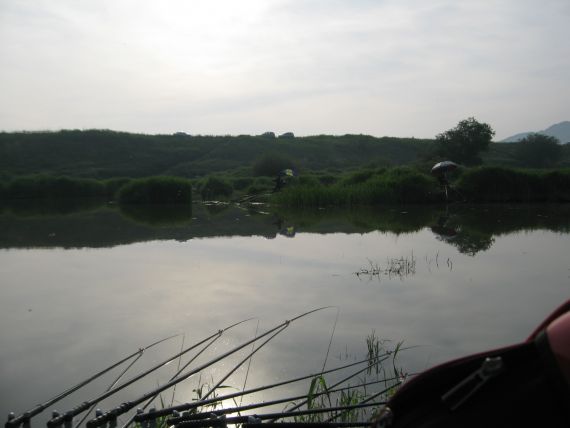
(394, 268)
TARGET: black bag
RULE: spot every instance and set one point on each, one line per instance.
(524, 385)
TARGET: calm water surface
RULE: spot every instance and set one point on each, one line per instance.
(81, 289)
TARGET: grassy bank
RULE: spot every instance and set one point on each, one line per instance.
(494, 184)
(369, 186)
(151, 190)
(408, 185)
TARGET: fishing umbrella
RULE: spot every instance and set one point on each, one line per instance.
(443, 167)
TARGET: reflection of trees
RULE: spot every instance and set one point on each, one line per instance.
(394, 219)
(471, 229)
(50, 206)
(476, 226)
(159, 215)
(449, 228)
(471, 242)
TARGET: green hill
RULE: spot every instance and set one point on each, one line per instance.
(104, 154)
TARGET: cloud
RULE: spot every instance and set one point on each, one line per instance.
(421, 66)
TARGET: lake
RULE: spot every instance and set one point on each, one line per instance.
(83, 285)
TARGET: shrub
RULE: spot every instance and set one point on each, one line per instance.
(242, 182)
(309, 180)
(261, 184)
(327, 179)
(557, 184)
(113, 185)
(156, 190)
(215, 187)
(407, 185)
(357, 177)
(495, 184)
(271, 164)
(538, 151)
(43, 186)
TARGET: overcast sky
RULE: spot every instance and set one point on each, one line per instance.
(381, 67)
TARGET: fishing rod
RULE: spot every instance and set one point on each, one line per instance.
(223, 421)
(26, 416)
(238, 365)
(189, 406)
(150, 400)
(112, 415)
(109, 388)
(219, 412)
(365, 401)
(340, 382)
(68, 416)
(249, 365)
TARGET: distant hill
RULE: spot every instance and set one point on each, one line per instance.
(105, 154)
(560, 130)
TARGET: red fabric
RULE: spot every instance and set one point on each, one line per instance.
(561, 310)
(558, 332)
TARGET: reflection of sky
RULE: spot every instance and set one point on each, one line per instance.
(65, 313)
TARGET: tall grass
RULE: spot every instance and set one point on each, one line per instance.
(495, 184)
(215, 187)
(45, 186)
(404, 185)
(156, 190)
(396, 185)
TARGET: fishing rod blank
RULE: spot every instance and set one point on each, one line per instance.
(109, 388)
(126, 406)
(150, 400)
(188, 406)
(26, 416)
(223, 379)
(272, 416)
(340, 382)
(59, 419)
(219, 412)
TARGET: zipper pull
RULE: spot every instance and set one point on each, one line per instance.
(461, 392)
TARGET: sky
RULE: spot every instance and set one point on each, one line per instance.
(403, 68)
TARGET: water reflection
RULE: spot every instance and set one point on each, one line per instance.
(65, 311)
(82, 223)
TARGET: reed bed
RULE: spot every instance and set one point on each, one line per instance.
(156, 190)
(382, 186)
(495, 184)
(405, 185)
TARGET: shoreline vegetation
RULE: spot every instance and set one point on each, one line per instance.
(322, 170)
(367, 186)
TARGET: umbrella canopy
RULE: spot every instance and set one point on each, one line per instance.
(444, 166)
(287, 173)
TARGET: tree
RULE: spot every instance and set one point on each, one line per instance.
(538, 150)
(463, 143)
(271, 164)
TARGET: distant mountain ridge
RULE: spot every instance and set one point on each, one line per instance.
(559, 130)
